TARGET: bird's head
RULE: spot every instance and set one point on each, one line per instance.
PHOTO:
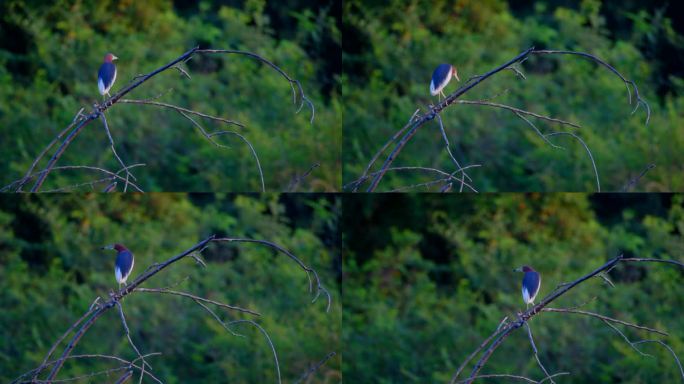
(117, 247)
(524, 268)
(454, 72)
(109, 58)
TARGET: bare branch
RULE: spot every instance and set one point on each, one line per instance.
(298, 179)
(309, 271)
(417, 121)
(128, 335)
(639, 260)
(75, 120)
(448, 149)
(113, 175)
(81, 120)
(209, 136)
(517, 111)
(98, 309)
(314, 368)
(635, 180)
(674, 355)
(294, 84)
(503, 331)
(116, 155)
(181, 109)
(358, 182)
(515, 377)
(476, 351)
(268, 338)
(605, 318)
(536, 353)
(194, 297)
(591, 157)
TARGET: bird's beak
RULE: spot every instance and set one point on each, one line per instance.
(114, 57)
(519, 269)
(111, 246)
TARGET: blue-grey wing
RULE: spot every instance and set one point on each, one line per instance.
(124, 260)
(531, 281)
(440, 74)
(107, 74)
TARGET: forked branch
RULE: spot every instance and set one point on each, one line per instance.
(417, 120)
(97, 309)
(81, 120)
(505, 329)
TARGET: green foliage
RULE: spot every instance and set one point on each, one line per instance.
(390, 53)
(52, 74)
(432, 280)
(51, 270)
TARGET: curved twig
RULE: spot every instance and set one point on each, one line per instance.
(209, 136)
(586, 148)
(309, 271)
(293, 82)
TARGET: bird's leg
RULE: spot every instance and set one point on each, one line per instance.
(442, 92)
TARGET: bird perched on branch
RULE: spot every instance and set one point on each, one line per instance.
(530, 284)
(441, 77)
(107, 74)
(124, 262)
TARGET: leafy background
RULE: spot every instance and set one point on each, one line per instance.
(51, 270)
(50, 53)
(427, 279)
(391, 48)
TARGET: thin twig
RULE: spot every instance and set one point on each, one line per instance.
(591, 157)
(181, 109)
(464, 175)
(515, 377)
(293, 82)
(298, 179)
(518, 111)
(130, 340)
(314, 368)
(536, 353)
(309, 271)
(384, 147)
(209, 136)
(605, 318)
(194, 297)
(635, 180)
(116, 155)
(26, 177)
(113, 175)
(360, 181)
